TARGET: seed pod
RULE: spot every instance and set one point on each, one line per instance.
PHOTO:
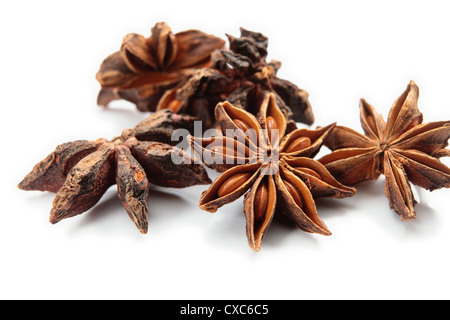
(132, 187)
(86, 183)
(320, 181)
(299, 148)
(309, 171)
(244, 125)
(50, 173)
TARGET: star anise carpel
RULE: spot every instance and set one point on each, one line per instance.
(271, 166)
(403, 149)
(81, 171)
(144, 68)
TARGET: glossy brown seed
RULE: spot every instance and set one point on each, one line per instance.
(295, 194)
(241, 124)
(298, 144)
(174, 105)
(271, 124)
(232, 183)
(309, 171)
(261, 201)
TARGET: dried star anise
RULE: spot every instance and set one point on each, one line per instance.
(241, 76)
(274, 166)
(145, 68)
(245, 63)
(81, 171)
(403, 149)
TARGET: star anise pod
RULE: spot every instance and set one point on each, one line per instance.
(81, 171)
(241, 76)
(145, 68)
(275, 168)
(403, 149)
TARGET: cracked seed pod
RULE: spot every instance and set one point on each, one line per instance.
(403, 149)
(81, 171)
(272, 168)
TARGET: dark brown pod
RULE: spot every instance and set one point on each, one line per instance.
(50, 173)
(132, 187)
(85, 184)
(158, 161)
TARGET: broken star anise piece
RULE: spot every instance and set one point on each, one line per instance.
(245, 63)
(403, 149)
(145, 68)
(81, 171)
(273, 169)
(241, 76)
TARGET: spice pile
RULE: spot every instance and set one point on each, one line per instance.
(191, 77)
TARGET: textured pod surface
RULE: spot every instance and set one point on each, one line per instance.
(159, 126)
(85, 184)
(50, 173)
(132, 187)
(168, 166)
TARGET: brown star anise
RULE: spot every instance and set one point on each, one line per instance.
(241, 76)
(403, 149)
(81, 171)
(273, 166)
(145, 68)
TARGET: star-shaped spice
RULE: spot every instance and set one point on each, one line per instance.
(145, 68)
(403, 149)
(81, 171)
(274, 169)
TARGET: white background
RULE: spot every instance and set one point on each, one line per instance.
(339, 51)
